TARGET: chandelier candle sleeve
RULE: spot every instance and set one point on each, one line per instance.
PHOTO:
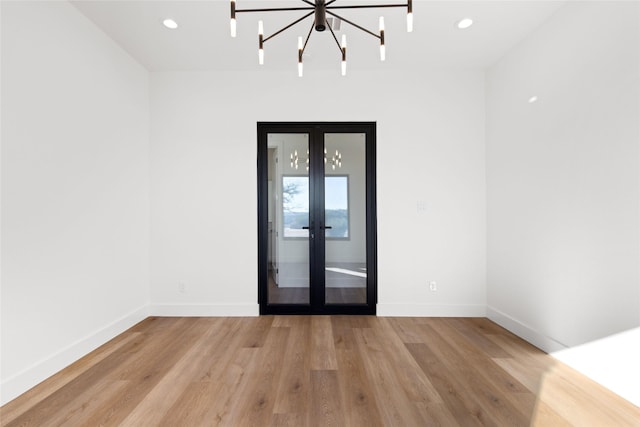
(382, 48)
(344, 54)
(260, 43)
(300, 47)
(233, 18)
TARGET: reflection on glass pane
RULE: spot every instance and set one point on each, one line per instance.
(345, 213)
(295, 206)
(336, 205)
(289, 207)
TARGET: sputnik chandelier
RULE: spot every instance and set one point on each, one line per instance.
(336, 159)
(320, 9)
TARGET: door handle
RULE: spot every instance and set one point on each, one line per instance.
(305, 228)
(327, 227)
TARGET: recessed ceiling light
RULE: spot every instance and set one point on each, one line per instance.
(533, 99)
(464, 23)
(170, 24)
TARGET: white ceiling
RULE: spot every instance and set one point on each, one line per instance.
(202, 41)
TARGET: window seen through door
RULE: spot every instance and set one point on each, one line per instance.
(295, 206)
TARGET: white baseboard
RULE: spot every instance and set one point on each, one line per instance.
(202, 310)
(430, 310)
(21, 382)
(527, 333)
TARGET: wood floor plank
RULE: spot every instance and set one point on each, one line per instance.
(437, 415)
(293, 388)
(323, 350)
(356, 391)
(318, 371)
(481, 396)
(167, 391)
(159, 362)
(414, 382)
(258, 333)
(543, 415)
(450, 392)
(210, 402)
(210, 395)
(326, 410)
(290, 420)
(505, 386)
(259, 396)
(465, 328)
(81, 410)
(342, 329)
(406, 331)
(394, 405)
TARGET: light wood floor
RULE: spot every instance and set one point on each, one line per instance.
(324, 371)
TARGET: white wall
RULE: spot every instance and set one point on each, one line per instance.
(562, 182)
(203, 185)
(75, 179)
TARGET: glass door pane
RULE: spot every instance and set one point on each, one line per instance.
(288, 218)
(345, 218)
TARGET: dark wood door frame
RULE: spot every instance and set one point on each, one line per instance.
(317, 250)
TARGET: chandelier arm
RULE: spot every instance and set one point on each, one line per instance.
(354, 24)
(309, 3)
(308, 37)
(335, 38)
(368, 6)
(288, 26)
(328, 3)
(277, 9)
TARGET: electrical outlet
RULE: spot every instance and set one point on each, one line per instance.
(433, 286)
(182, 287)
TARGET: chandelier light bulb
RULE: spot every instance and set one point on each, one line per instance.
(409, 22)
(382, 23)
(383, 53)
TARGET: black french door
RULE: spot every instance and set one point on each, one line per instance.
(317, 218)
